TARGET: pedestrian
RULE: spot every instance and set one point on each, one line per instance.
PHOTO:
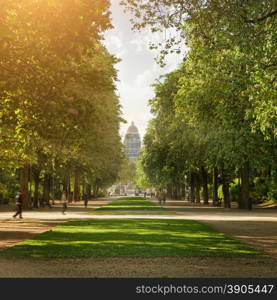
(19, 205)
(144, 195)
(85, 200)
(163, 198)
(64, 202)
(159, 196)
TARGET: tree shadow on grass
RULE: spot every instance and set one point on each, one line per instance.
(135, 238)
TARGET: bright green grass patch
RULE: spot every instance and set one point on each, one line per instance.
(129, 212)
(131, 238)
(131, 205)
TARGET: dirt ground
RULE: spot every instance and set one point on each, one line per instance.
(257, 227)
(139, 267)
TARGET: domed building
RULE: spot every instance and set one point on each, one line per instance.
(132, 142)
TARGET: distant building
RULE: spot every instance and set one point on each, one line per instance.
(132, 142)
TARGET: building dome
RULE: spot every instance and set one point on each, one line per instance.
(132, 142)
(132, 129)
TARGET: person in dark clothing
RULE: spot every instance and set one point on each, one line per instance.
(163, 198)
(159, 197)
(85, 200)
(64, 202)
(19, 205)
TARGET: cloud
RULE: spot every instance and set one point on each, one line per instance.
(137, 71)
(114, 43)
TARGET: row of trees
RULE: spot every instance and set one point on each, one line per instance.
(216, 115)
(59, 112)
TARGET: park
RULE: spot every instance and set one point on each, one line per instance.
(138, 139)
(135, 237)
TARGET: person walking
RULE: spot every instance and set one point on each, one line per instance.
(85, 200)
(163, 198)
(19, 205)
(64, 202)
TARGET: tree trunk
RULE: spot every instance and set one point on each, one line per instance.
(215, 186)
(239, 190)
(192, 188)
(53, 188)
(76, 191)
(197, 187)
(225, 189)
(36, 172)
(183, 191)
(205, 185)
(175, 192)
(245, 199)
(88, 189)
(94, 190)
(66, 183)
(46, 189)
(84, 191)
(178, 192)
(23, 181)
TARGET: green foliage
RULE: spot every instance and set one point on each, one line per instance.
(235, 189)
(58, 105)
(142, 181)
(218, 109)
(272, 187)
(127, 171)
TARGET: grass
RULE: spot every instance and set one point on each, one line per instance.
(124, 212)
(131, 203)
(131, 206)
(130, 238)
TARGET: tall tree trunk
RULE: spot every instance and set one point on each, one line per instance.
(215, 186)
(245, 187)
(239, 190)
(23, 181)
(169, 191)
(175, 192)
(76, 191)
(178, 192)
(94, 190)
(36, 173)
(84, 191)
(88, 189)
(53, 188)
(46, 189)
(197, 187)
(205, 185)
(66, 183)
(183, 191)
(192, 188)
(225, 189)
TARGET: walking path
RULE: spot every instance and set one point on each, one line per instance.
(257, 227)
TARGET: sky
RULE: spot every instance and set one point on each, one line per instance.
(137, 69)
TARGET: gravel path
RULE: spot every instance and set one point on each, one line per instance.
(258, 228)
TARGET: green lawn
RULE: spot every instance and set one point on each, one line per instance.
(130, 238)
(131, 205)
(134, 212)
